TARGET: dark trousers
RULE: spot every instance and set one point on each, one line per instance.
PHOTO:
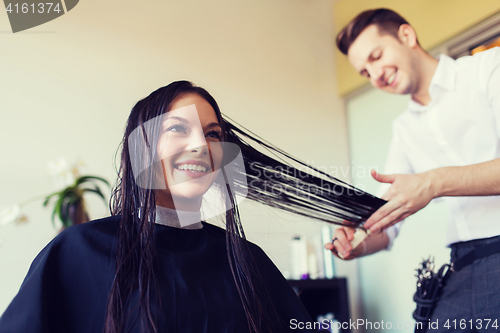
(470, 300)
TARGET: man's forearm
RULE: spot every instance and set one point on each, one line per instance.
(471, 180)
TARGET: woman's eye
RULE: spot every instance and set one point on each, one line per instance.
(214, 134)
(177, 128)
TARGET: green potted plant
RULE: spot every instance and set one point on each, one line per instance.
(69, 205)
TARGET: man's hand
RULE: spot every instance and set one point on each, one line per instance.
(406, 196)
(342, 244)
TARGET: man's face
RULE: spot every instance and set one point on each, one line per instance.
(388, 62)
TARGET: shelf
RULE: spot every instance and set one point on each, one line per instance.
(323, 296)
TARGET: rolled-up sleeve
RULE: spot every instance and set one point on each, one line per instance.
(492, 73)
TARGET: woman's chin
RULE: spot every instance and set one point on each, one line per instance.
(188, 193)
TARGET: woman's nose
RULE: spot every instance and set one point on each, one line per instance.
(197, 143)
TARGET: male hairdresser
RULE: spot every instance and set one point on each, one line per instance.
(445, 144)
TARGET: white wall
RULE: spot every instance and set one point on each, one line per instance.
(387, 278)
(67, 88)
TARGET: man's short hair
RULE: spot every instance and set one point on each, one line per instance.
(387, 21)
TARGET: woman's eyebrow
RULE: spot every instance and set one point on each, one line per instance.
(214, 124)
(178, 118)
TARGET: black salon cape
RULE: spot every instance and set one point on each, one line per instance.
(67, 285)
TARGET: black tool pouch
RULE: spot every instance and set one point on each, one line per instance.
(429, 287)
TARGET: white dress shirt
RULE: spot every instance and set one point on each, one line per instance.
(460, 126)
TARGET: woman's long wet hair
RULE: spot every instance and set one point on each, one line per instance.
(270, 180)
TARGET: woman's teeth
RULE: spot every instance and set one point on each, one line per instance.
(191, 167)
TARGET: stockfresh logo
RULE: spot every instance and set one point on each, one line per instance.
(26, 14)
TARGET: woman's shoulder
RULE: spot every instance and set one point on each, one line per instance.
(75, 251)
(77, 239)
(218, 232)
(107, 226)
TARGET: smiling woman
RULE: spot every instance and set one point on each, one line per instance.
(190, 152)
(154, 266)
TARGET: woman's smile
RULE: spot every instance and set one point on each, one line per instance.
(193, 168)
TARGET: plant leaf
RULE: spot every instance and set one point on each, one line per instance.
(84, 179)
(57, 209)
(96, 191)
(65, 218)
(72, 195)
(54, 218)
(47, 199)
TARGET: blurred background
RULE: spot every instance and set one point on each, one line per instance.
(67, 87)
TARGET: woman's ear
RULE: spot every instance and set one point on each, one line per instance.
(407, 35)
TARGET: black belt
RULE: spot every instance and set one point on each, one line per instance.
(479, 253)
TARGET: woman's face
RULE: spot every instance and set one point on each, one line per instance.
(189, 147)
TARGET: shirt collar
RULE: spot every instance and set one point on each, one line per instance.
(443, 79)
(177, 218)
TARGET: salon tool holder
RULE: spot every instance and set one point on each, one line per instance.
(429, 286)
